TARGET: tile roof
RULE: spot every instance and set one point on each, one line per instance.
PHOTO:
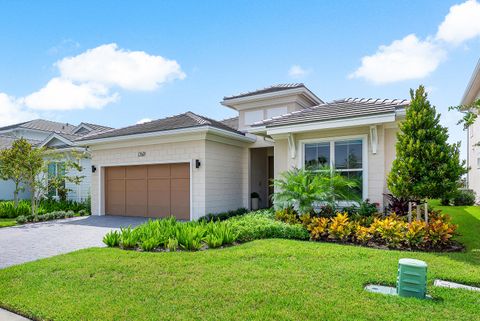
(97, 127)
(185, 120)
(43, 125)
(337, 109)
(231, 122)
(7, 140)
(266, 90)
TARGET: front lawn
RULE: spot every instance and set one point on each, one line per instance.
(6, 222)
(262, 280)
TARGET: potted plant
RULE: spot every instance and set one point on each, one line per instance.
(255, 200)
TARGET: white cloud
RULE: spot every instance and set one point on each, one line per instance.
(90, 80)
(143, 120)
(461, 23)
(62, 94)
(296, 71)
(112, 66)
(408, 58)
(11, 111)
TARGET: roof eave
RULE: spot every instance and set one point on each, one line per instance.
(163, 133)
(230, 102)
(334, 123)
(473, 87)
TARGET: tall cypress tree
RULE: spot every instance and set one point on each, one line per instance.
(426, 166)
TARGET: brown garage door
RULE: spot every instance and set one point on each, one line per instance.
(148, 190)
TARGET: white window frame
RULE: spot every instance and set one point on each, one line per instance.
(55, 196)
(332, 140)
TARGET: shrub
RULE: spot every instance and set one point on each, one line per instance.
(397, 205)
(149, 244)
(224, 215)
(318, 227)
(365, 209)
(261, 224)
(440, 232)
(389, 230)
(112, 239)
(84, 212)
(415, 233)
(128, 238)
(172, 244)
(287, 215)
(327, 210)
(363, 234)
(190, 235)
(340, 228)
(21, 219)
(464, 197)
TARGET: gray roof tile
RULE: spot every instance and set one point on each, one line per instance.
(266, 90)
(43, 125)
(185, 120)
(337, 109)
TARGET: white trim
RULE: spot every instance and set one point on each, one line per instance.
(291, 145)
(374, 138)
(332, 140)
(205, 129)
(299, 90)
(80, 126)
(337, 123)
(56, 136)
(101, 179)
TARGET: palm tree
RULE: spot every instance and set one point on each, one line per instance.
(301, 188)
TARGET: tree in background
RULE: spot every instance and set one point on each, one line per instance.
(12, 162)
(66, 165)
(426, 165)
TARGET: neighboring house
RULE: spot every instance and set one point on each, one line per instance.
(189, 165)
(472, 93)
(56, 137)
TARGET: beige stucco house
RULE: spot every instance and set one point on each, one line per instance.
(189, 165)
(472, 93)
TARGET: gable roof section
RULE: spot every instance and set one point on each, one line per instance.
(67, 139)
(90, 127)
(182, 121)
(42, 125)
(337, 109)
(266, 90)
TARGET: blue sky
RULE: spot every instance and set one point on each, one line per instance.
(218, 48)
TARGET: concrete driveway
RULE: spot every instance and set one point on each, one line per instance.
(30, 242)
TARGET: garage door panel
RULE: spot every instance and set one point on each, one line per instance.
(148, 190)
(136, 197)
(115, 172)
(180, 200)
(159, 197)
(136, 172)
(115, 196)
(159, 171)
(181, 170)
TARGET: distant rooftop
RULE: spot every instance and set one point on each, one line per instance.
(51, 126)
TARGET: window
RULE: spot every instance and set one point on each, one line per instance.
(55, 169)
(343, 156)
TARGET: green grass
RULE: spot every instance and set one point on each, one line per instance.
(261, 280)
(6, 222)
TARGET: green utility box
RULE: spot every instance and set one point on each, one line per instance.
(412, 278)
